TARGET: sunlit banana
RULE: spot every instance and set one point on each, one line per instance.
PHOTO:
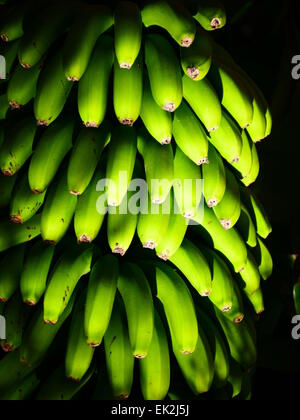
(235, 379)
(237, 312)
(22, 86)
(250, 275)
(257, 300)
(244, 164)
(264, 259)
(211, 14)
(255, 168)
(246, 227)
(12, 28)
(196, 60)
(257, 212)
(214, 178)
(12, 234)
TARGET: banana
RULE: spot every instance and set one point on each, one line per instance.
(74, 264)
(159, 177)
(24, 204)
(120, 163)
(157, 121)
(101, 294)
(211, 14)
(257, 301)
(236, 377)
(2, 135)
(39, 336)
(4, 106)
(257, 212)
(52, 91)
(22, 85)
(58, 211)
(23, 390)
(204, 101)
(12, 234)
(35, 272)
(155, 369)
(94, 84)
(190, 135)
(89, 216)
(11, 371)
(255, 168)
(17, 147)
(258, 128)
(228, 242)
(264, 259)
(137, 297)
(7, 185)
(244, 164)
(79, 354)
(227, 139)
(214, 178)
(173, 17)
(193, 264)
(128, 92)
(250, 276)
(196, 60)
(10, 52)
(236, 313)
(246, 227)
(188, 187)
(164, 72)
(85, 157)
(12, 28)
(93, 21)
(228, 211)
(50, 151)
(128, 33)
(119, 358)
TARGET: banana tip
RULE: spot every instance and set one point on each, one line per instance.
(75, 193)
(119, 250)
(49, 242)
(169, 107)
(72, 79)
(84, 239)
(166, 141)
(150, 245)
(227, 224)
(94, 345)
(239, 319)
(203, 161)
(127, 121)
(2, 299)
(213, 202)
(140, 356)
(7, 348)
(186, 352)
(4, 37)
(125, 65)
(14, 105)
(187, 41)
(227, 308)
(207, 293)
(164, 256)
(216, 23)
(42, 123)
(91, 124)
(7, 172)
(17, 219)
(193, 72)
(26, 66)
(30, 302)
(36, 192)
(48, 322)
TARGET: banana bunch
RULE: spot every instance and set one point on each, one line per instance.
(128, 142)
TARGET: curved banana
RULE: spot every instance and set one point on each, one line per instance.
(257, 212)
(4, 106)
(11, 371)
(7, 185)
(236, 313)
(12, 28)
(264, 259)
(12, 234)
(214, 178)
(244, 164)
(250, 275)
(246, 227)
(22, 86)
(23, 390)
(211, 14)
(257, 301)
(255, 168)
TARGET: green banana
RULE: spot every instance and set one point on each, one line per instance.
(89, 216)
(119, 358)
(101, 294)
(23, 390)
(35, 272)
(93, 86)
(50, 151)
(93, 21)
(17, 147)
(258, 128)
(211, 14)
(190, 135)
(157, 121)
(246, 227)
(257, 212)
(236, 378)
(257, 301)
(52, 92)
(74, 264)
(264, 259)
(187, 185)
(2, 134)
(4, 106)
(193, 264)
(85, 157)
(11, 371)
(155, 368)
(120, 163)
(237, 313)
(12, 28)
(204, 101)
(128, 92)
(250, 275)
(12, 234)
(22, 86)
(128, 33)
(137, 297)
(7, 185)
(228, 211)
(164, 72)
(39, 336)
(24, 204)
(79, 354)
(173, 17)
(255, 168)
(159, 177)
(214, 178)
(244, 164)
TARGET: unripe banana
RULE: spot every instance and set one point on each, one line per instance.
(86, 155)
(119, 358)
(157, 121)
(12, 234)
(190, 135)
(128, 92)
(257, 212)
(244, 164)
(236, 378)
(23, 390)
(228, 211)
(11, 371)
(214, 178)
(7, 185)
(211, 14)
(17, 147)
(93, 21)
(196, 60)
(204, 101)
(35, 272)
(79, 354)
(101, 294)
(24, 204)
(264, 259)
(94, 84)
(173, 17)
(128, 33)
(4, 106)
(155, 368)
(164, 72)
(258, 128)
(120, 163)
(50, 151)
(250, 275)
(12, 28)
(58, 211)
(193, 264)
(22, 86)
(255, 168)
(52, 92)
(246, 227)
(74, 264)
(257, 301)
(237, 313)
